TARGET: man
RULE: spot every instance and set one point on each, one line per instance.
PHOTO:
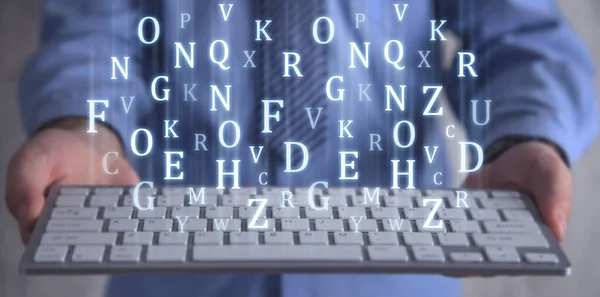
(529, 63)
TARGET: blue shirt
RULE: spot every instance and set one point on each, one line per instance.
(528, 60)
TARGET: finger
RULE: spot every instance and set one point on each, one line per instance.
(480, 179)
(551, 187)
(126, 175)
(29, 173)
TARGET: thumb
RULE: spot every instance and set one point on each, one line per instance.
(551, 186)
(29, 174)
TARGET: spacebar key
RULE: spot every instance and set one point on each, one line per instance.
(277, 253)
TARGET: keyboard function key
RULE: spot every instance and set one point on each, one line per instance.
(50, 254)
(546, 258)
(428, 254)
(83, 253)
(129, 253)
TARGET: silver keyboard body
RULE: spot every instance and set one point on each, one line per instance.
(98, 230)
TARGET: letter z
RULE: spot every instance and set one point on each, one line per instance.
(261, 208)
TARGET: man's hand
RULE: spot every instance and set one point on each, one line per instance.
(61, 154)
(536, 168)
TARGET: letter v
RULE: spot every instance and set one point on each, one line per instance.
(127, 106)
(313, 122)
(225, 15)
(430, 156)
(254, 155)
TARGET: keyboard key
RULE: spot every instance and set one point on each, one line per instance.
(484, 214)
(74, 191)
(343, 238)
(451, 214)
(51, 254)
(249, 237)
(517, 240)
(398, 201)
(166, 253)
(190, 225)
(286, 238)
(466, 257)
(314, 237)
(108, 191)
(517, 215)
(83, 253)
(363, 225)
(385, 213)
(74, 213)
(213, 237)
(416, 213)
(119, 225)
(171, 190)
(383, 238)
(236, 200)
(178, 238)
(305, 191)
(70, 200)
(278, 253)
(336, 201)
(439, 192)
(541, 258)
(428, 254)
(463, 203)
(503, 203)
(341, 191)
(129, 253)
(371, 200)
(387, 253)
(506, 194)
(248, 212)
(231, 225)
(417, 238)
(74, 225)
(158, 212)
(104, 200)
(185, 211)
(75, 238)
(138, 238)
(511, 227)
(453, 239)
(158, 225)
(260, 222)
(295, 225)
(312, 213)
(502, 254)
(401, 225)
(219, 212)
(432, 227)
(170, 200)
(286, 212)
(121, 212)
(420, 201)
(351, 211)
(209, 199)
(301, 200)
(406, 192)
(329, 225)
(465, 226)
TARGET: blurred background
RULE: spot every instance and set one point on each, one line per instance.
(19, 31)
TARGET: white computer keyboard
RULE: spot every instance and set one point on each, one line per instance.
(104, 230)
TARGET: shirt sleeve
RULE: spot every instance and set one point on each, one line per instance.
(531, 65)
(73, 65)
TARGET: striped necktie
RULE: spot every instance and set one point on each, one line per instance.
(291, 31)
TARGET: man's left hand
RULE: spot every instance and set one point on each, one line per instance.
(536, 168)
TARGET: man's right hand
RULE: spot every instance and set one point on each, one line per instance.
(62, 154)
